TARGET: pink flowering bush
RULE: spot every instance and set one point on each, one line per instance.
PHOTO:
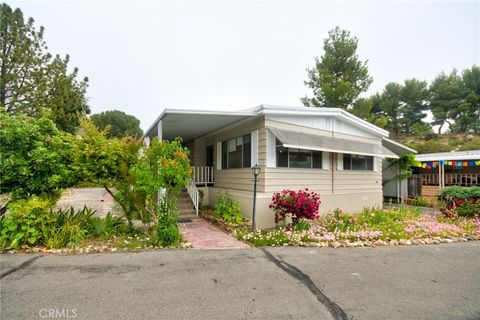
(301, 204)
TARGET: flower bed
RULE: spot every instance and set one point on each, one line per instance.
(372, 227)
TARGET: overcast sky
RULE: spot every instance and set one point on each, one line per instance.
(143, 56)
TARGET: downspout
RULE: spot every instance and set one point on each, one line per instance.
(398, 184)
(333, 166)
(334, 163)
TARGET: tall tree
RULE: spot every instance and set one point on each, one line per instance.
(468, 115)
(338, 77)
(391, 104)
(121, 124)
(364, 109)
(414, 96)
(32, 79)
(445, 95)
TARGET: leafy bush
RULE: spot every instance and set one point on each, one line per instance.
(65, 235)
(22, 224)
(302, 225)
(32, 222)
(299, 204)
(468, 209)
(166, 232)
(106, 227)
(164, 165)
(99, 161)
(228, 209)
(35, 155)
(460, 192)
(420, 202)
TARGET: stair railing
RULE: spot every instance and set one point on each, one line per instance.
(194, 195)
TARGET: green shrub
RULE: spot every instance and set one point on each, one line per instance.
(468, 209)
(460, 192)
(301, 225)
(164, 165)
(228, 209)
(106, 227)
(35, 155)
(420, 202)
(66, 235)
(99, 161)
(67, 228)
(22, 224)
(166, 232)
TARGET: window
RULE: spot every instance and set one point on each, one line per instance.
(236, 153)
(357, 162)
(297, 158)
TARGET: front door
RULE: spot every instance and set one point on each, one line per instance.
(209, 160)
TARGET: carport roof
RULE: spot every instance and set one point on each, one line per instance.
(193, 123)
(190, 124)
(453, 156)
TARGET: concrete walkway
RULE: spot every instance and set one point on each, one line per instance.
(203, 235)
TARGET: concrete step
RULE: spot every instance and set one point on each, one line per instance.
(183, 213)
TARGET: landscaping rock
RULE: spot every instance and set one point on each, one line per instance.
(336, 244)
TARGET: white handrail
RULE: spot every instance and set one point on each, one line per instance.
(194, 195)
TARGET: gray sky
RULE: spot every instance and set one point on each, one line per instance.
(143, 56)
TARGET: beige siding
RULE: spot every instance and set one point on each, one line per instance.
(262, 147)
(326, 182)
(239, 179)
(317, 180)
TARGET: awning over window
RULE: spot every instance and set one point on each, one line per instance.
(291, 139)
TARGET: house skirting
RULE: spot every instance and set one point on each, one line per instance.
(351, 203)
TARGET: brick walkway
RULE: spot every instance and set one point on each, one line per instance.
(203, 235)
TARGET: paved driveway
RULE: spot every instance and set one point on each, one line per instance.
(417, 282)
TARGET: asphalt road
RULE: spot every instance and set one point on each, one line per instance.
(416, 282)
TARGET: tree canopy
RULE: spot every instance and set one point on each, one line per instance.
(338, 77)
(119, 124)
(31, 79)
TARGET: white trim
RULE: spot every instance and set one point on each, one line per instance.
(159, 130)
(376, 163)
(219, 155)
(339, 161)
(271, 151)
(325, 160)
(331, 150)
(268, 109)
(254, 148)
(146, 141)
(335, 112)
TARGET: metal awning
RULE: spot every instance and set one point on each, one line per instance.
(292, 139)
(396, 147)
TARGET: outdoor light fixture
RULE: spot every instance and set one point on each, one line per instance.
(255, 171)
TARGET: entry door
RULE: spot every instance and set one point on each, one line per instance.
(209, 162)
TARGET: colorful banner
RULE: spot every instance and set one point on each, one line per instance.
(435, 164)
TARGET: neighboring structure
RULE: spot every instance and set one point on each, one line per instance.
(393, 186)
(327, 150)
(439, 170)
